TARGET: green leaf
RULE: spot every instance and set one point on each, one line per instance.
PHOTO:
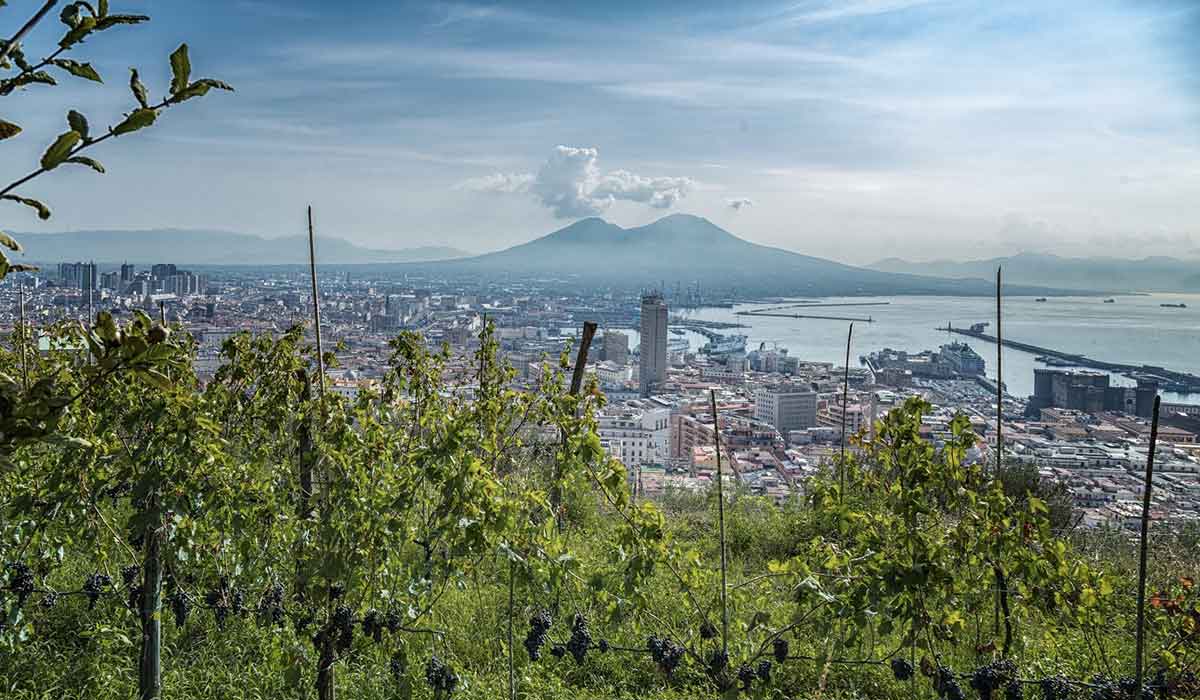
(8, 130)
(77, 34)
(60, 150)
(138, 119)
(103, 8)
(138, 89)
(90, 162)
(78, 122)
(9, 242)
(42, 210)
(77, 69)
(113, 20)
(181, 68)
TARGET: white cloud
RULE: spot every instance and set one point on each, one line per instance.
(571, 185)
(740, 203)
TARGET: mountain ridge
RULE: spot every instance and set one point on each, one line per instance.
(1155, 273)
(683, 247)
(210, 247)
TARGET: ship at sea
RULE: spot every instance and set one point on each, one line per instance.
(726, 345)
(1173, 306)
(1110, 301)
(1040, 299)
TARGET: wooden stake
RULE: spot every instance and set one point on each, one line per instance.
(1143, 544)
(316, 302)
(22, 338)
(999, 381)
(589, 331)
(712, 396)
(845, 402)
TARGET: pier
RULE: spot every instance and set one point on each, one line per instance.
(856, 319)
(1168, 380)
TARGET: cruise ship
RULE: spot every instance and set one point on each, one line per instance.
(726, 345)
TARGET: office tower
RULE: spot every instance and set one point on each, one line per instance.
(616, 347)
(127, 272)
(652, 369)
(88, 279)
(787, 407)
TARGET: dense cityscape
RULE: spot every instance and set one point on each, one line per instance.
(781, 415)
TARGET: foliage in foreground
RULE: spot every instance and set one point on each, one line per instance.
(258, 536)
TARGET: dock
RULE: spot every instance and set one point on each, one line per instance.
(1168, 380)
(856, 319)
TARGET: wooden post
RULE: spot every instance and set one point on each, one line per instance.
(999, 381)
(316, 302)
(22, 338)
(1143, 544)
(589, 331)
(845, 402)
(150, 664)
(162, 312)
(712, 396)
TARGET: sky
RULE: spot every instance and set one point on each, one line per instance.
(854, 130)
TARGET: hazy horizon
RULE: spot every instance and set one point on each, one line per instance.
(856, 131)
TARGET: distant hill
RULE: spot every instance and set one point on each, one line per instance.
(687, 248)
(1154, 274)
(195, 247)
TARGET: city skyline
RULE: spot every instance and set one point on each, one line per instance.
(853, 131)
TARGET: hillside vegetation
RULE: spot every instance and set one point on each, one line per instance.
(258, 537)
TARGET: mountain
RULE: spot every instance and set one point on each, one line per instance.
(684, 248)
(193, 247)
(1153, 274)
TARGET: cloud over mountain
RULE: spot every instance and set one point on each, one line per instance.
(571, 184)
(740, 203)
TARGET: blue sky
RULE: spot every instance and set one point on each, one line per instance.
(854, 130)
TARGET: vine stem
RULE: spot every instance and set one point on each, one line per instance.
(512, 676)
(845, 401)
(712, 397)
(26, 28)
(1145, 534)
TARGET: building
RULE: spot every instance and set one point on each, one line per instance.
(1088, 391)
(88, 279)
(110, 280)
(786, 407)
(127, 273)
(615, 348)
(162, 271)
(636, 435)
(652, 368)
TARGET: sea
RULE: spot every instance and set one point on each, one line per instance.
(1133, 329)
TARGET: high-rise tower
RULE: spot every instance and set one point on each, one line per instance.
(652, 369)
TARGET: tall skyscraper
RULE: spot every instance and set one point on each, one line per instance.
(652, 369)
(127, 271)
(615, 347)
(88, 279)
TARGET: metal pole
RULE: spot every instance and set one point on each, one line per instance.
(22, 337)
(999, 381)
(845, 402)
(712, 396)
(316, 302)
(1141, 598)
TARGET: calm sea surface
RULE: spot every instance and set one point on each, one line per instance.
(1134, 329)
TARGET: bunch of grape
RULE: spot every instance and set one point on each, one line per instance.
(558, 651)
(581, 638)
(94, 587)
(180, 607)
(946, 685)
(129, 576)
(20, 581)
(779, 649)
(1104, 688)
(763, 670)
(49, 600)
(717, 661)
(1014, 690)
(237, 600)
(439, 677)
(393, 621)
(270, 606)
(301, 622)
(535, 639)
(218, 599)
(343, 627)
(372, 625)
(902, 669)
(707, 630)
(986, 680)
(1055, 688)
(603, 646)
(336, 591)
(666, 653)
(746, 676)
(1129, 689)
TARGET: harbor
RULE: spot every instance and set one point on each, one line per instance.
(1168, 380)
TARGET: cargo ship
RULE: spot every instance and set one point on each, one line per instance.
(1173, 306)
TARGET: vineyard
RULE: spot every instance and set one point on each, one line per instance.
(258, 536)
